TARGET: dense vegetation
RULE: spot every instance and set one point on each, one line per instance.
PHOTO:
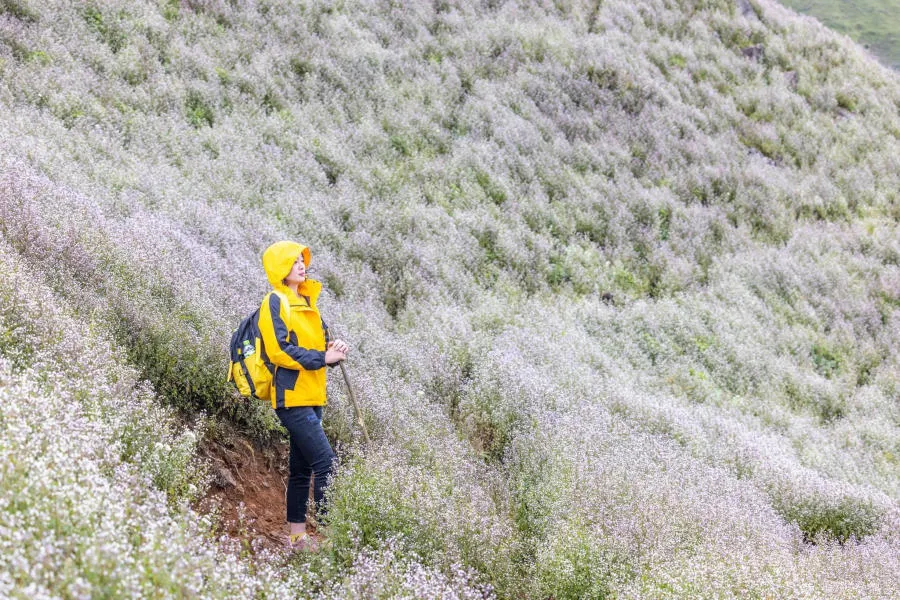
(622, 280)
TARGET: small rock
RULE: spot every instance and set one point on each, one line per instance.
(223, 478)
(755, 52)
(746, 8)
(792, 78)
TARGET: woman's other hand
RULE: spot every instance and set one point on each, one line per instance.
(336, 351)
(340, 346)
(333, 357)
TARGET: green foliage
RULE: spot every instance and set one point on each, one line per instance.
(665, 222)
(579, 570)
(490, 187)
(171, 9)
(639, 278)
(17, 334)
(188, 377)
(199, 112)
(676, 60)
(847, 101)
(401, 145)
(840, 519)
(595, 225)
(108, 31)
(19, 9)
(366, 507)
(271, 102)
(559, 273)
(211, 148)
(68, 112)
(487, 240)
(764, 144)
(826, 405)
(300, 66)
(826, 360)
(331, 168)
(334, 284)
(223, 75)
(489, 423)
(433, 55)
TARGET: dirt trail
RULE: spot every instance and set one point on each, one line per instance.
(248, 487)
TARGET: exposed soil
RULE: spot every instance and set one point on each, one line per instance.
(248, 491)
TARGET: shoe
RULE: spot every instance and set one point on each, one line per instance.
(303, 542)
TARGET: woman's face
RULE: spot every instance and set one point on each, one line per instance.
(298, 272)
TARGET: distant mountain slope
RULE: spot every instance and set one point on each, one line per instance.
(622, 281)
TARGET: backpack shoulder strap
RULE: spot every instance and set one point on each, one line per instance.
(285, 302)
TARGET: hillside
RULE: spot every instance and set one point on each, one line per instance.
(622, 282)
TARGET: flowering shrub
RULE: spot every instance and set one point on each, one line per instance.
(622, 283)
(386, 572)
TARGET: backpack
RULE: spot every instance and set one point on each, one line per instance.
(250, 369)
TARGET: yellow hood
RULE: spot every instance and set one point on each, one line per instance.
(278, 259)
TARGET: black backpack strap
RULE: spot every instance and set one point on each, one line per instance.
(247, 376)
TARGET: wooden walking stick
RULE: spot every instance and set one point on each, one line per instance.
(359, 417)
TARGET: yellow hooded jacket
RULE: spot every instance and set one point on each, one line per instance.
(294, 337)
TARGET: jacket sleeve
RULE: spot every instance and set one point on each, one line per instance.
(282, 352)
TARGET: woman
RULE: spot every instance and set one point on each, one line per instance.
(295, 338)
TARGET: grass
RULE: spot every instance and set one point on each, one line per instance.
(873, 23)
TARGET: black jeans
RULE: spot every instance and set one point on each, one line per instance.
(311, 454)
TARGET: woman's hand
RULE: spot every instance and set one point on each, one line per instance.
(333, 357)
(339, 345)
(336, 351)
